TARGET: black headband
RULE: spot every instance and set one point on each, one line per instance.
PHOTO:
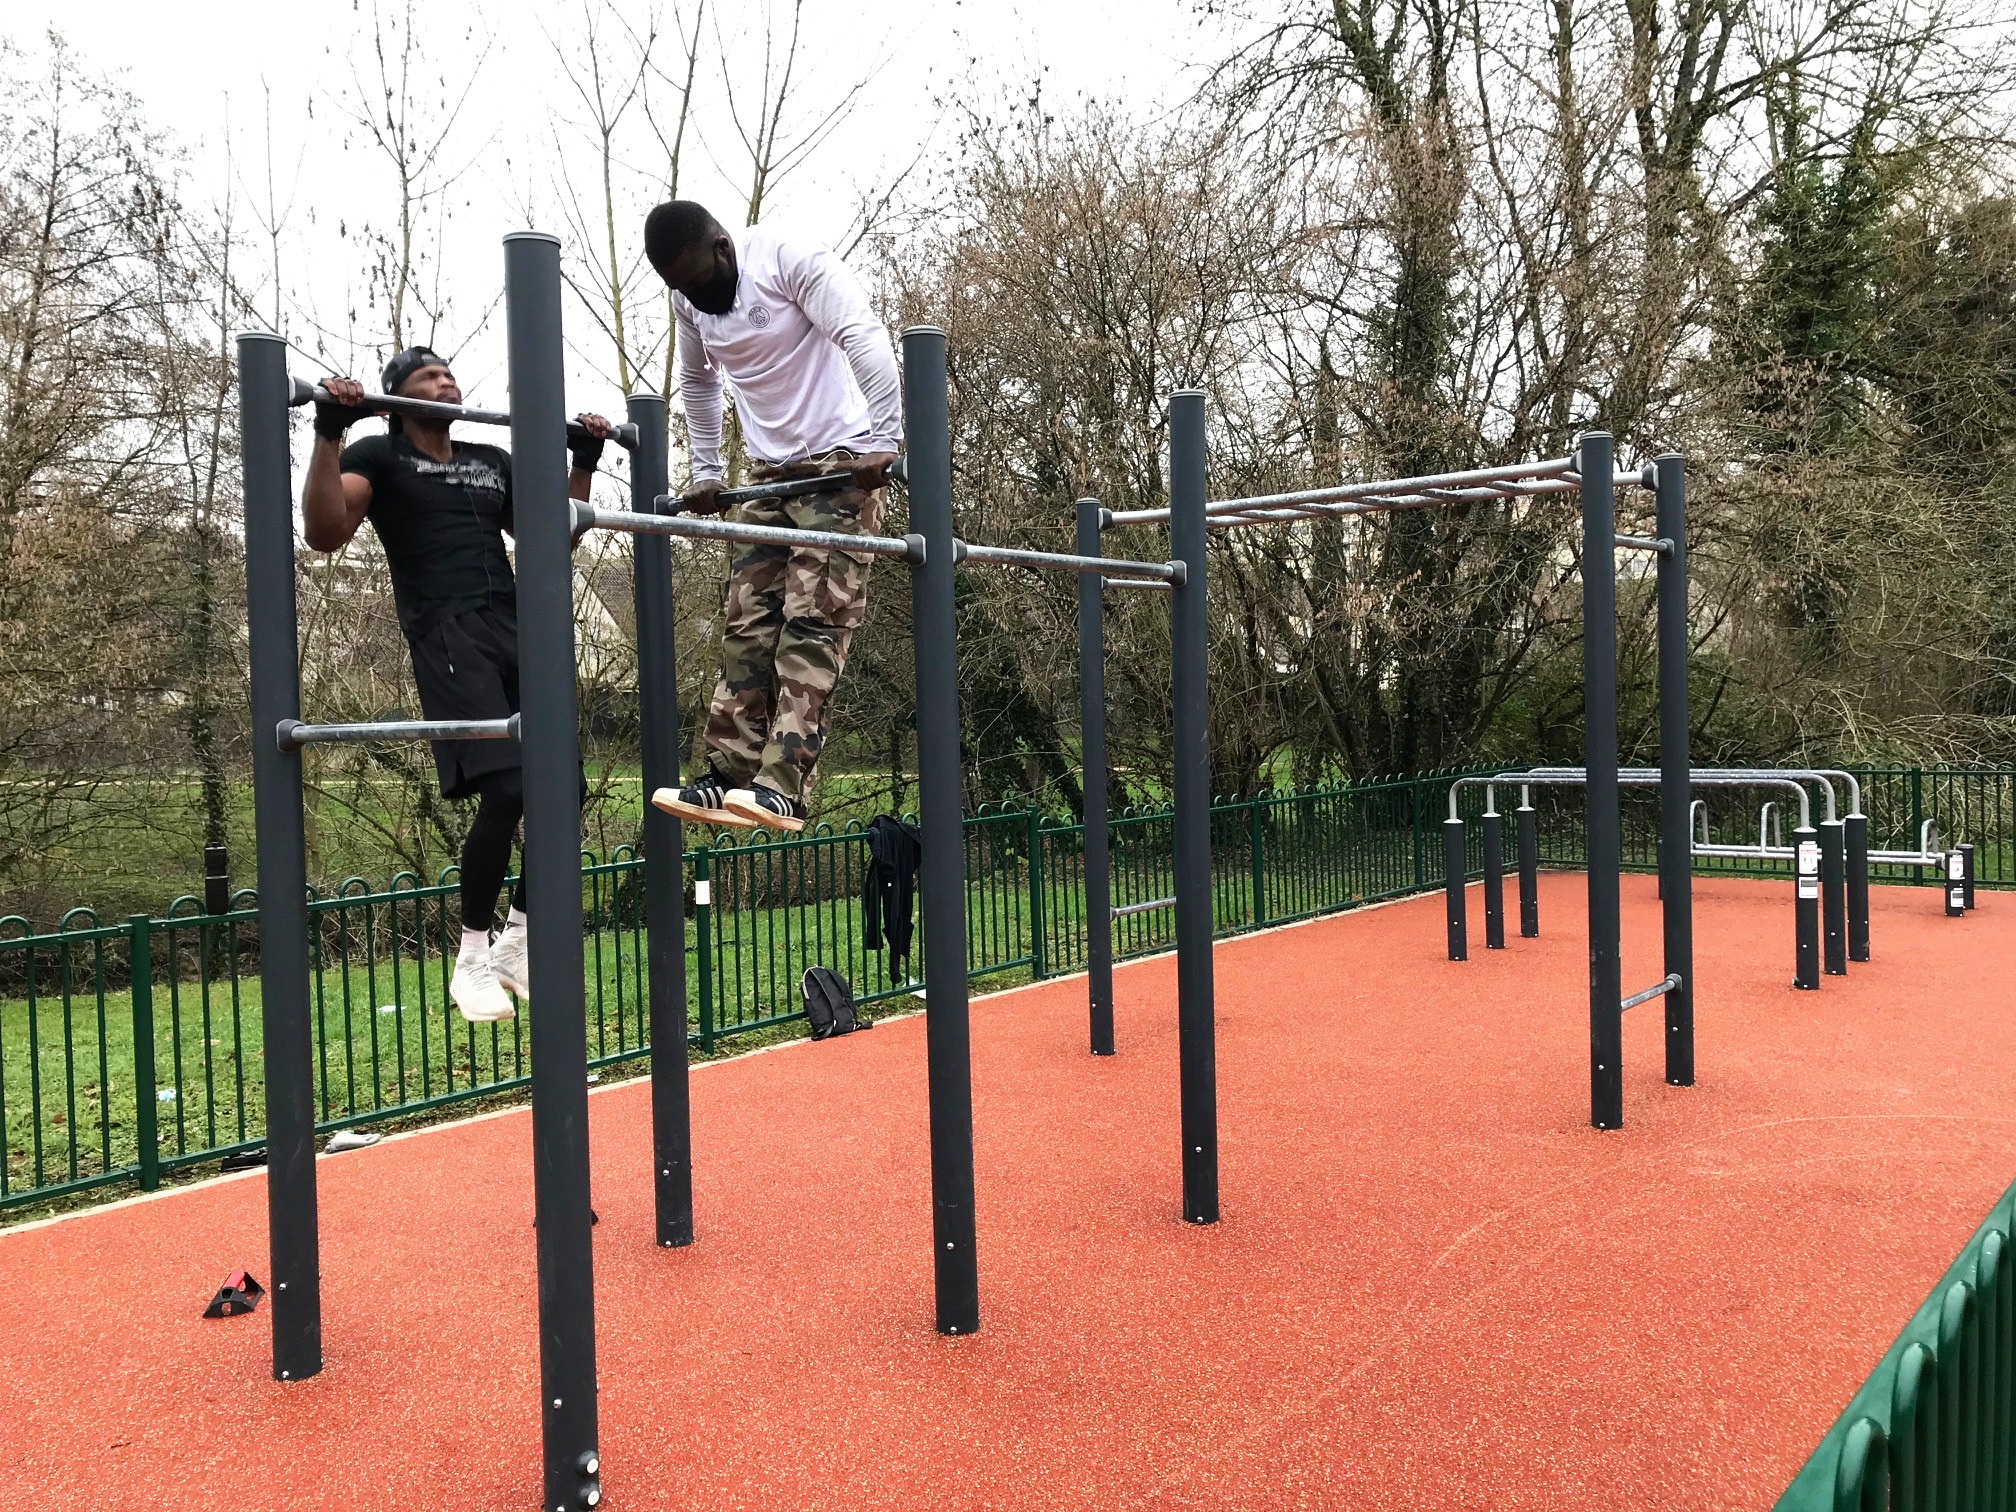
(406, 364)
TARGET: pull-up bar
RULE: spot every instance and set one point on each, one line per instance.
(301, 391)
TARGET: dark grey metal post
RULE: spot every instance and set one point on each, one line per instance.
(1676, 846)
(1806, 908)
(1833, 897)
(1603, 823)
(291, 1223)
(1858, 886)
(942, 873)
(549, 739)
(1494, 881)
(1092, 763)
(664, 838)
(1529, 870)
(1454, 903)
(1967, 872)
(1190, 694)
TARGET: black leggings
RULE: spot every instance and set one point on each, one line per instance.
(486, 853)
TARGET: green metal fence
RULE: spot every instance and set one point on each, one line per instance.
(1934, 1426)
(127, 1049)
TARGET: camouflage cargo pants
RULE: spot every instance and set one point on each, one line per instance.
(789, 617)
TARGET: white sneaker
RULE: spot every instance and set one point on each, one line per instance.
(507, 960)
(475, 991)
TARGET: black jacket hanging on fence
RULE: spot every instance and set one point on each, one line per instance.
(894, 849)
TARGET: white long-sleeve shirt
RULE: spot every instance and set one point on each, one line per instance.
(810, 364)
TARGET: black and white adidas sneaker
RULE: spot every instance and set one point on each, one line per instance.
(757, 804)
(701, 801)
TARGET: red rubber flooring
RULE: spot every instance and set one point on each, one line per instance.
(1434, 1285)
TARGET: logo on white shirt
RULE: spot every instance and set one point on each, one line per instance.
(759, 317)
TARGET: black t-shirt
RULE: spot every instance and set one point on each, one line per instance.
(442, 524)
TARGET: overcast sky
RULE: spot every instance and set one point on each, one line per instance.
(210, 83)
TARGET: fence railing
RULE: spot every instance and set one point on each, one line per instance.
(1934, 1426)
(128, 1049)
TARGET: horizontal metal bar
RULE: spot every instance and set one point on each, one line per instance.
(1134, 908)
(291, 734)
(1671, 984)
(1059, 561)
(305, 392)
(714, 528)
(1649, 777)
(1658, 545)
(1120, 582)
(1507, 474)
(791, 488)
(1439, 498)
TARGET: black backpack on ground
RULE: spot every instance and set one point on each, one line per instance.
(829, 1003)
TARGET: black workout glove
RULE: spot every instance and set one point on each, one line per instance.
(332, 420)
(586, 450)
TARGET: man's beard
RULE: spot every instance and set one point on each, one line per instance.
(717, 295)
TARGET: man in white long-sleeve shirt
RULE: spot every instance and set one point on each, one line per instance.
(817, 391)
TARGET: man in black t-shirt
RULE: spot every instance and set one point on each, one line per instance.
(441, 508)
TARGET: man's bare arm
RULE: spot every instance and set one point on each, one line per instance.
(333, 502)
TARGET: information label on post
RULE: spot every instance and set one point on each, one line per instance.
(1809, 869)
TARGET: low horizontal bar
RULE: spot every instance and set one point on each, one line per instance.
(1134, 908)
(1059, 561)
(715, 528)
(291, 734)
(1658, 545)
(1121, 582)
(790, 488)
(1671, 984)
(305, 392)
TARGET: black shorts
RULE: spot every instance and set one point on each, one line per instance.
(466, 667)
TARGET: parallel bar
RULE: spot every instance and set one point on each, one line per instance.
(1663, 989)
(664, 840)
(1149, 907)
(552, 776)
(1440, 498)
(1559, 467)
(291, 734)
(1858, 884)
(1190, 694)
(1155, 584)
(1599, 705)
(1092, 768)
(1060, 561)
(942, 877)
(1529, 869)
(714, 528)
(1669, 475)
(1494, 881)
(1834, 898)
(303, 392)
(787, 488)
(1455, 900)
(1656, 544)
(287, 1046)
(1806, 907)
